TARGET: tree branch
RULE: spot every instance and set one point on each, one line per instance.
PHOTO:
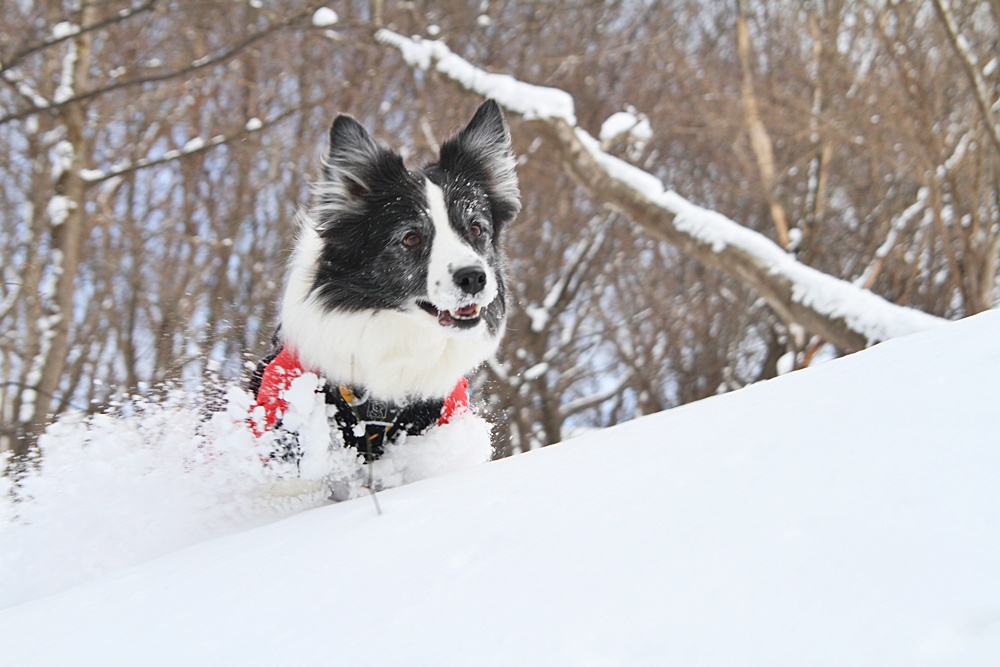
(586, 402)
(93, 177)
(848, 316)
(760, 141)
(123, 15)
(971, 70)
(198, 64)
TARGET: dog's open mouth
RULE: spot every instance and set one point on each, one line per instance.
(463, 318)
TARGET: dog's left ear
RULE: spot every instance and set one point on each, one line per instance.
(483, 149)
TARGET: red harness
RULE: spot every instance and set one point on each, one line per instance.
(285, 367)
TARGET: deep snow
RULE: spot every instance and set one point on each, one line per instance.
(847, 514)
(115, 490)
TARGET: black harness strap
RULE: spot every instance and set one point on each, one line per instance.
(368, 424)
(365, 423)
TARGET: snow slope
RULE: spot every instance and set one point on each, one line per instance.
(847, 514)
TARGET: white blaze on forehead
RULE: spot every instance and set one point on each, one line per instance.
(438, 209)
(449, 252)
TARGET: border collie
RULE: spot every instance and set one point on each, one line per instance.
(395, 289)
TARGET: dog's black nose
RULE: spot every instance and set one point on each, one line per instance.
(471, 279)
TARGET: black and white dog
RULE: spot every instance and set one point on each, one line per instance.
(395, 289)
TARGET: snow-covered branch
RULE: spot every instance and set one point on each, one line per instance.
(24, 89)
(839, 311)
(901, 221)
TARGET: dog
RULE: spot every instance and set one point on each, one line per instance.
(396, 287)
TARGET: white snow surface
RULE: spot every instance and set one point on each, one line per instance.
(114, 491)
(846, 514)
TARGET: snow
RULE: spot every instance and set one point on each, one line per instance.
(92, 174)
(24, 89)
(115, 490)
(66, 88)
(539, 317)
(62, 160)
(324, 17)
(625, 123)
(786, 363)
(254, 124)
(845, 514)
(536, 371)
(58, 209)
(192, 145)
(64, 29)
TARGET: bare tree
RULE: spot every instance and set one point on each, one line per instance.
(158, 149)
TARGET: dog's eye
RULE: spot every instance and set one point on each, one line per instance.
(475, 230)
(412, 240)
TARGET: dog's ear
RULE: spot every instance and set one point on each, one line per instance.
(484, 148)
(351, 163)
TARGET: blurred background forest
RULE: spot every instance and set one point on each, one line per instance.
(154, 153)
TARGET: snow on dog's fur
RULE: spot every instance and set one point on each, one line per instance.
(396, 286)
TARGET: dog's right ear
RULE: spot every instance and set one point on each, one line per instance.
(348, 169)
(484, 148)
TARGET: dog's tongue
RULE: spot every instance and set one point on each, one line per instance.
(466, 312)
(448, 317)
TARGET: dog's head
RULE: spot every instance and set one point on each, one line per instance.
(417, 252)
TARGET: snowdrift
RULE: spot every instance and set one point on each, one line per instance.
(848, 514)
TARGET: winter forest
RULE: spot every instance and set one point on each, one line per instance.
(714, 192)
